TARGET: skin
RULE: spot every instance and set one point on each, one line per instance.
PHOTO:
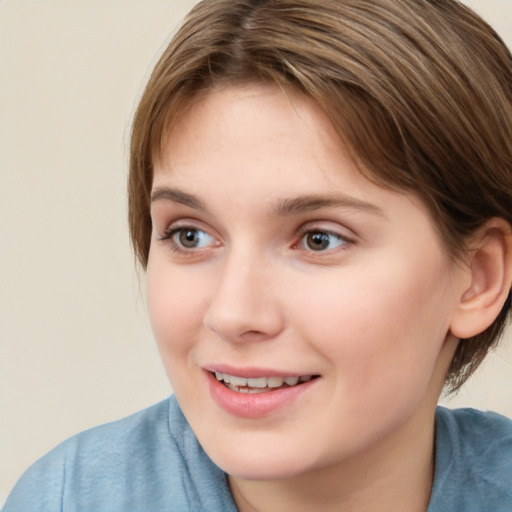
(369, 313)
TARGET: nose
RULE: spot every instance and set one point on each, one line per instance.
(245, 306)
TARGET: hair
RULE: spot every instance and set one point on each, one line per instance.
(420, 91)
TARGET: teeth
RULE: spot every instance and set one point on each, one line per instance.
(275, 382)
(236, 381)
(254, 385)
(261, 382)
(245, 389)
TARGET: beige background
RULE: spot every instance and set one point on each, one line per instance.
(76, 349)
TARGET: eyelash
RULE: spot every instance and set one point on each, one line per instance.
(171, 232)
(344, 242)
(305, 231)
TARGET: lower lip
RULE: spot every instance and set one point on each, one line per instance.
(255, 405)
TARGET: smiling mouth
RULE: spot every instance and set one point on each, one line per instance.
(261, 384)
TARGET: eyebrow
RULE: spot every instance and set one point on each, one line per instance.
(282, 208)
(177, 196)
(316, 202)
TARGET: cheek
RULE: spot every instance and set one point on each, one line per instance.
(379, 326)
(175, 305)
(176, 308)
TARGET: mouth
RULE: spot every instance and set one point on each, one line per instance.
(260, 384)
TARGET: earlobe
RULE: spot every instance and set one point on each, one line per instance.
(489, 275)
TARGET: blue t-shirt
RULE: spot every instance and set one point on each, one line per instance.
(152, 462)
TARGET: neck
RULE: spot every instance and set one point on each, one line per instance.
(397, 474)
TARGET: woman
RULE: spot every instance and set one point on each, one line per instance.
(320, 193)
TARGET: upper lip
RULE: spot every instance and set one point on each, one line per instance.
(252, 372)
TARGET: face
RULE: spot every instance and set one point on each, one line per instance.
(321, 301)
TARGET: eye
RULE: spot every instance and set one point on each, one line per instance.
(189, 238)
(321, 241)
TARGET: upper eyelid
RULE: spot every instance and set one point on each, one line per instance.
(171, 230)
(340, 230)
(344, 239)
(183, 223)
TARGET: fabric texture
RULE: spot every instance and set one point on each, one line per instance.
(152, 462)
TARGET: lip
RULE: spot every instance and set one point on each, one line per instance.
(257, 405)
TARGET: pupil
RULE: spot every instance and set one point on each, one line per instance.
(189, 238)
(318, 241)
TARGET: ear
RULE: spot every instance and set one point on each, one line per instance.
(489, 274)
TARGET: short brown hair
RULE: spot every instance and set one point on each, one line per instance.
(420, 91)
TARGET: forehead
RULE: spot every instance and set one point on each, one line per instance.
(253, 127)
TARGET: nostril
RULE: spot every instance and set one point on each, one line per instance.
(252, 335)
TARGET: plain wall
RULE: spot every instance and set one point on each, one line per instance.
(76, 349)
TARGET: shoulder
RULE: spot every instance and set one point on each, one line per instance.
(472, 420)
(481, 437)
(473, 460)
(143, 462)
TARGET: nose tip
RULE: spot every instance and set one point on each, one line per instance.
(244, 306)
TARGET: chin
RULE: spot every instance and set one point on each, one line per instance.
(257, 461)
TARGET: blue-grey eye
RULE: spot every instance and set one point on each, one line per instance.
(190, 238)
(322, 240)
